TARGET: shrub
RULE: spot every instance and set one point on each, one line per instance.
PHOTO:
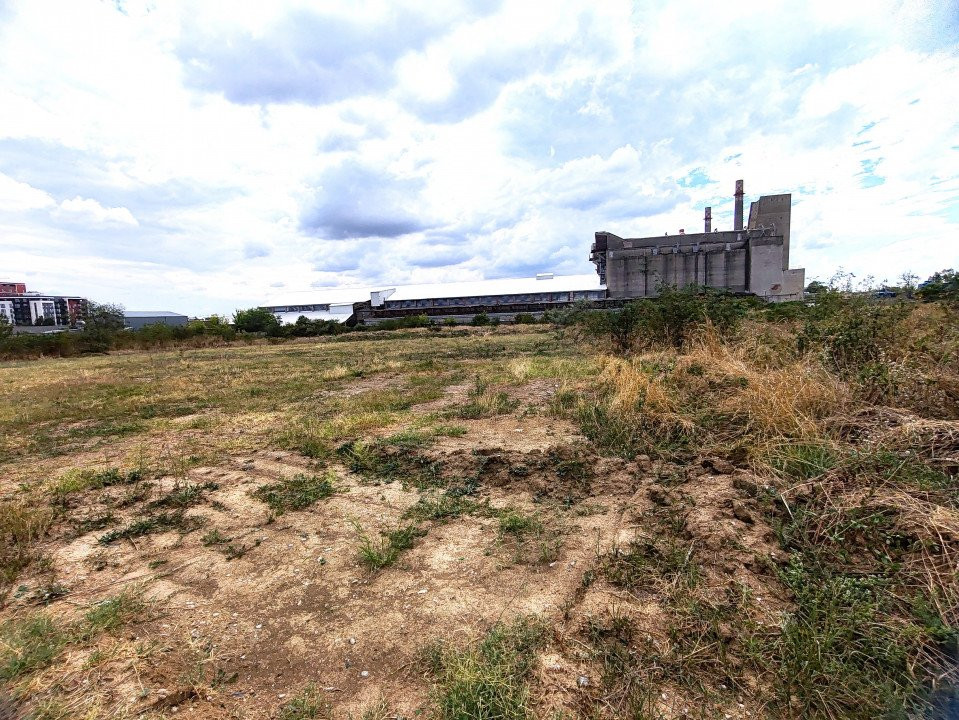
(524, 319)
(481, 320)
(255, 320)
(669, 319)
(402, 323)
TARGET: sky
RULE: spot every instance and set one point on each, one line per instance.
(206, 156)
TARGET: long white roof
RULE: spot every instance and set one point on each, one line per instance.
(468, 288)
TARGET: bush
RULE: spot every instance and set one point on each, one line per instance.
(854, 334)
(669, 319)
(400, 323)
(481, 320)
(943, 286)
(256, 320)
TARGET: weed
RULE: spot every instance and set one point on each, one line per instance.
(385, 462)
(801, 460)
(96, 522)
(489, 678)
(234, 552)
(444, 508)
(516, 523)
(296, 493)
(183, 496)
(378, 554)
(28, 645)
(645, 562)
(152, 524)
(214, 537)
(309, 704)
(450, 430)
(32, 643)
(111, 614)
(485, 402)
(21, 525)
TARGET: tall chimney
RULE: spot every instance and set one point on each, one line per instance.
(738, 217)
(709, 219)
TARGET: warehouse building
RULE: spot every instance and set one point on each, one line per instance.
(136, 319)
(461, 301)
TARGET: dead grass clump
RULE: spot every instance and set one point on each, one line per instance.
(21, 525)
(711, 398)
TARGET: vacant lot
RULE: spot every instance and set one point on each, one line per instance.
(464, 523)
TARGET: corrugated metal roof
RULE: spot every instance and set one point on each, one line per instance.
(151, 313)
(501, 286)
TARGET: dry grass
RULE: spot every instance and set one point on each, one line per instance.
(718, 396)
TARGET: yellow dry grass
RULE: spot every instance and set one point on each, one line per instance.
(719, 390)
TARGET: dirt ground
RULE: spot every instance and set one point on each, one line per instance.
(236, 637)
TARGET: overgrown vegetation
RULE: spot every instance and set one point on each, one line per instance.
(863, 499)
(781, 531)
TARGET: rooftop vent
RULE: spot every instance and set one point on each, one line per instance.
(544, 276)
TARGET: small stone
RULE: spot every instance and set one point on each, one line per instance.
(741, 513)
(259, 625)
(421, 592)
(365, 673)
(582, 681)
(352, 641)
(719, 466)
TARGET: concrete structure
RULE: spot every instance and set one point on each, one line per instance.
(754, 259)
(23, 308)
(136, 319)
(461, 301)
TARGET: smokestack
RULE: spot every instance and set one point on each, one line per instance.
(738, 218)
(709, 219)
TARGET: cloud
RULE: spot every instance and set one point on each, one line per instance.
(355, 201)
(90, 213)
(17, 196)
(308, 56)
(252, 250)
(366, 143)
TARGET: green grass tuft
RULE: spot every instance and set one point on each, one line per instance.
(488, 679)
(378, 554)
(296, 493)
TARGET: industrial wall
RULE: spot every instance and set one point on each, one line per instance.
(752, 259)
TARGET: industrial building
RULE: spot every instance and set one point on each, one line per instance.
(136, 319)
(461, 301)
(23, 308)
(753, 260)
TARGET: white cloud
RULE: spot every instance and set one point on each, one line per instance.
(17, 196)
(89, 212)
(490, 138)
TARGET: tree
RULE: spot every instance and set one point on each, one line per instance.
(816, 287)
(104, 316)
(256, 320)
(943, 285)
(6, 329)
